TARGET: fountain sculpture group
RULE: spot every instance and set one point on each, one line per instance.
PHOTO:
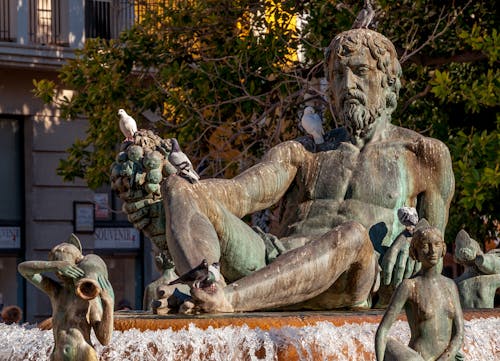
(333, 242)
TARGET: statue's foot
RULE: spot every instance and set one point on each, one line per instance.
(212, 299)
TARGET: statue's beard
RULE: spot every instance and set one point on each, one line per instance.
(357, 117)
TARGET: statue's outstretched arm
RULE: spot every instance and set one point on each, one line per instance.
(32, 271)
(262, 185)
(203, 219)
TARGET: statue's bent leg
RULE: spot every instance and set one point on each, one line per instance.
(396, 351)
(199, 226)
(305, 273)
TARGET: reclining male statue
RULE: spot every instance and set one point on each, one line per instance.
(339, 199)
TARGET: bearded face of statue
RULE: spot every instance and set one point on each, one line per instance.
(359, 96)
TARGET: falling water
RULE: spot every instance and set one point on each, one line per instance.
(322, 341)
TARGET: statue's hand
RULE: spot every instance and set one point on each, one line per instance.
(68, 269)
(397, 263)
(106, 288)
(212, 299)
(148, 216)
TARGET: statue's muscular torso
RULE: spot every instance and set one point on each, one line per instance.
(344, 183)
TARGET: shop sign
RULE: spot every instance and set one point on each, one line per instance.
(117, 237)
(10, 237)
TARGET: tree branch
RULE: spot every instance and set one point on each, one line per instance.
(464, 57)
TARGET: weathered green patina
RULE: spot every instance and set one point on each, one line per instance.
(337, 201)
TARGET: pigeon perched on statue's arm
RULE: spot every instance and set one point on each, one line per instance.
(202, 276)
(365, 16)
(128, 126)
(312, 124)
(182, 163)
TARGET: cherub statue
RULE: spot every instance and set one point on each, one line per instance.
(82, 299)
(481, 278)
(432, 307)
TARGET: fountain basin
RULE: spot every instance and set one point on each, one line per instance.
(249, 336)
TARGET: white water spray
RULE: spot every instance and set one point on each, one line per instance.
(325, 341)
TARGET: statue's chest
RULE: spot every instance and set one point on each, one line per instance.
(376, 174)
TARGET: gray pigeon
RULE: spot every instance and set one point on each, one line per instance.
(312, 124)
(202, 276)
(408, 216)
(128, 126)
(365, 16)
(182, 163)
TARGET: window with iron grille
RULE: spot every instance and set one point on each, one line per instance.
(105, 19)
(7, 13)
(45, 22)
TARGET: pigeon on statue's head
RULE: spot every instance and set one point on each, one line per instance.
(182, 163)
(365, 16)
(128, 126)
(312, 124)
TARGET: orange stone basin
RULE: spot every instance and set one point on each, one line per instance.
(263, 320)
(339, 335)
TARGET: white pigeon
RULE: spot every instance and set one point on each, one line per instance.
(312, 124)
(408, 216)
(128, 126)
(181, 161)
(365, 16)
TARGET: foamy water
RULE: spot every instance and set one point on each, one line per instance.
(323, 341)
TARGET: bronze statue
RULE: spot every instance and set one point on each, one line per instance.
(338, 200)
(432, 308)
(480, 280)
(81, 301)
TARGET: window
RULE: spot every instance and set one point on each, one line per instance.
(7, 20)
(11, 181)
(45, 22)
(11, 210)
(105, 19)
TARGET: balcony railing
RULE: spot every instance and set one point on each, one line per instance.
(48, 22)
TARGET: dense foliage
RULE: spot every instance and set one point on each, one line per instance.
(224, 78)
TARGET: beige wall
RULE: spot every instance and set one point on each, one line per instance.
(48, 199)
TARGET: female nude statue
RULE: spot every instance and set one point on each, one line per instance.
(431, 304)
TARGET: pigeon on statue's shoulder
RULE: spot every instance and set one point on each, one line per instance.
(182, 163)
(313, 125)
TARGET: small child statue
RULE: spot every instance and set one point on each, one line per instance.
(82, 300)
(432, 307)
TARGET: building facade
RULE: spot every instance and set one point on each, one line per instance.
(37, 209)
